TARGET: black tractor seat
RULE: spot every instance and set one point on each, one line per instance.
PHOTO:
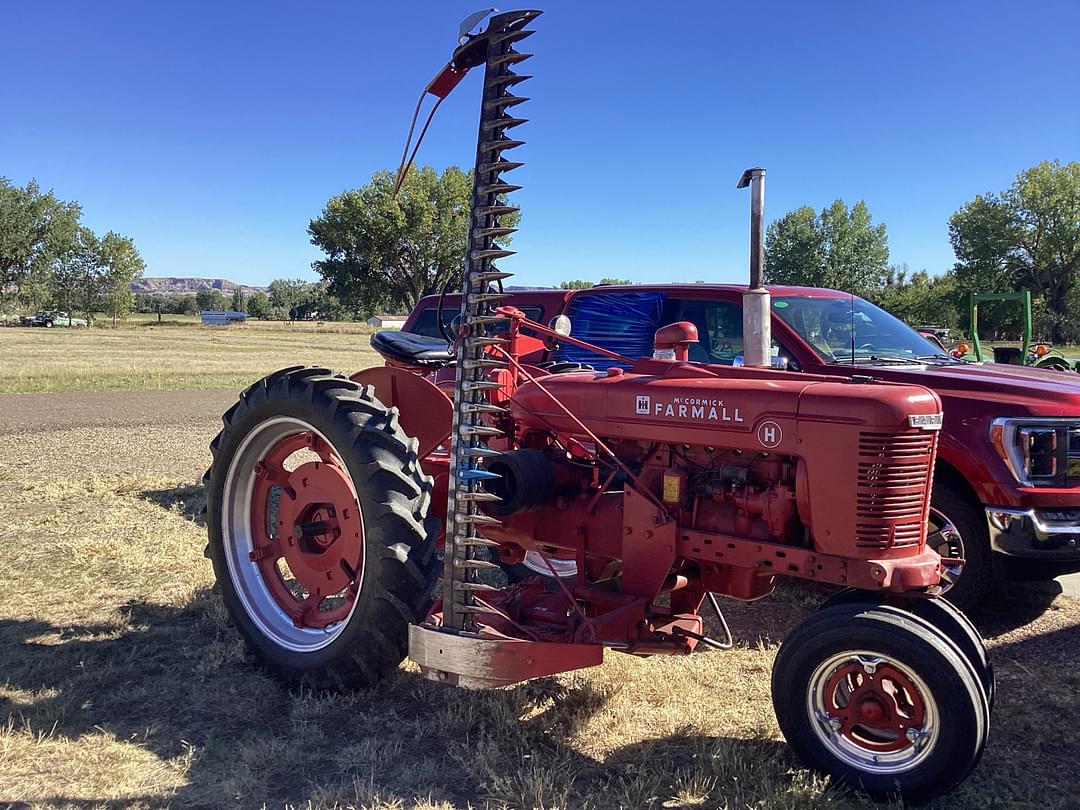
(415, 350)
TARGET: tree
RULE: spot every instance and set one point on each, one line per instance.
(1026, 237)
(258, 306)
(919, 298)
(121, 265)
(580, 284)
(73, 278)
(237, 302)
(35, 230)
(838, 248)
(210, 298)
(387, 252)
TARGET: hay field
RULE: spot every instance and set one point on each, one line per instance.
(172, 356)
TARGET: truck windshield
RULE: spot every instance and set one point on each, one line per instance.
(851, 330)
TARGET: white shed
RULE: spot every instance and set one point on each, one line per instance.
(386, 321)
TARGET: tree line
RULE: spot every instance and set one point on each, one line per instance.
(49, 259)
(1025, 237)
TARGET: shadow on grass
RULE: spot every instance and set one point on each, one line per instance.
(175, 678)
(188, 501)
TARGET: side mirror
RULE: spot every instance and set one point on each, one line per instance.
(560, 324)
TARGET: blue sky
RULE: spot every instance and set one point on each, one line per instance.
(213, 132)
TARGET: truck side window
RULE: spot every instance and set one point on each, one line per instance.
(719, 325)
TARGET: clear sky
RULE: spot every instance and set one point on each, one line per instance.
(212, 132)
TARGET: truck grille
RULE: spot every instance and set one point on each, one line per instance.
(892, 488)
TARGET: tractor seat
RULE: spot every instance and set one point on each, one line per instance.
(412, 349)
(1008, 354)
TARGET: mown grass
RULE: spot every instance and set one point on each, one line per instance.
(172, 356)
(122, 685)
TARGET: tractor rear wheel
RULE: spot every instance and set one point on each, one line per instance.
(317, 513)
(880, 700)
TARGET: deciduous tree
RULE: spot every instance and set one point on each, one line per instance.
(839, 248)
(387, 252)
(1026, 237)
(121, 265)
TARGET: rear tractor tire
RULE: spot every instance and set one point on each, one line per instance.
(880, 700)
(317, 514)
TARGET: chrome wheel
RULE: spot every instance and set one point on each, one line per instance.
(943, 536)
(872, 712)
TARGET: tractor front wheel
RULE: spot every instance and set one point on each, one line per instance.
(317, 514)
(880, 700)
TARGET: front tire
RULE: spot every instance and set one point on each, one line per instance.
(957, 527)
(879, 701)
(317, 514)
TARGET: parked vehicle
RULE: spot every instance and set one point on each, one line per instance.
(51, 319)
(1028, 353)
(1008, 471)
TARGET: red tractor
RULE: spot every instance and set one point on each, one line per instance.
(354, 521)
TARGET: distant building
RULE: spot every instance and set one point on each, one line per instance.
(386, 321)
(222, 317)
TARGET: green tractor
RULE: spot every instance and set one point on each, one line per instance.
(1036, 355)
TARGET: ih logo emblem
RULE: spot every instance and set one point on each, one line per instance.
(770, 434)
(644, 404)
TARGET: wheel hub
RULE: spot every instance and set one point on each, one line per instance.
(311, 519)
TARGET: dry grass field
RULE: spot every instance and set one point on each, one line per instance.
(176, 355)
(122, 684)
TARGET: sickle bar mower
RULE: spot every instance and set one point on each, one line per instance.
(354, 521)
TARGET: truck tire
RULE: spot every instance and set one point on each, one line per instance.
(958, 524)
(880, 701)
(322, 565)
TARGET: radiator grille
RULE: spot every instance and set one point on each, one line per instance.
(892, 487)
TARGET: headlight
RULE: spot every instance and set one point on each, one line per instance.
(1039, 451)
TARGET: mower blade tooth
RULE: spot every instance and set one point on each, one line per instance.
(477, 475)
(475, 542)
(481, 407)
(470, 431)
(494, 276)
(481, 385)
(491, 253)
(479, 520)
(508, 58)
(494, 211)
(499, 188)
(509, 80)
(500, 166)
(500, 144)
(476, 586)
(513, 36)
(484, 363)
(504, 102)
(479, 497)
(503, 122)
(476, 565)
(478, 452)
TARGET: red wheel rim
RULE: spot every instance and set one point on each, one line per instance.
(310, 518)
(875, 707)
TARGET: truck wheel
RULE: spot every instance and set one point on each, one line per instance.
(880, 700)
(942, 615)
(957, 528)
(317, 513)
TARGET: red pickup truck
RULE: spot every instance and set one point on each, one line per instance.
(1008, 471)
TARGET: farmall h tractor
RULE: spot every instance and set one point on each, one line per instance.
(357, 520)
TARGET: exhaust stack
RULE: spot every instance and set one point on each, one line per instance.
(757, 326)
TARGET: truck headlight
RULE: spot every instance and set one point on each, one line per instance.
(1038, 451)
